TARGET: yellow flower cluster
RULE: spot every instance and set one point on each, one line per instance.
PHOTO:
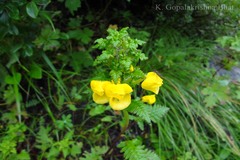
(152, 83)
(119, 95)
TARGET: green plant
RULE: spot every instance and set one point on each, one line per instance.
(48, 57)
(119, 58)
(199, 108)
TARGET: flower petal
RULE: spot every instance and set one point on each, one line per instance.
(131, 68)
(98, 86)
(150, 99)
(120, 104)
(152, 82)
(100, 99)
(117, 90)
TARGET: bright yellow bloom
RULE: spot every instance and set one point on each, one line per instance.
(152, 82)
(150, 99)
(119, 94)
(98, 88)
(131, 68)
(100, 99)
(120, 104)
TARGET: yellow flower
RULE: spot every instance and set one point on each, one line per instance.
(150, 99)
(100, 99)
(119, 94)
(131, 68)
(120, 104)
(98, 88)
(152, 82)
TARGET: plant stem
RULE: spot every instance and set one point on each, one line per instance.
(18, 104)
(125, 120)
(124, 128)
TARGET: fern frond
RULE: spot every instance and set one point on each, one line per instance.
(147, 112)
(43, 139)
(157, 112)
(134, 150)
(32, 103)
(140, 109)
(96, 153)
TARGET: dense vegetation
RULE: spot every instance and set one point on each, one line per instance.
(54, 52)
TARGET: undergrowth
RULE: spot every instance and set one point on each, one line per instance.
(51, 51)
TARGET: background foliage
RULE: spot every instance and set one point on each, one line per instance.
(47, 62)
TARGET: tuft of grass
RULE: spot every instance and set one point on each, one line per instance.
(190, 127)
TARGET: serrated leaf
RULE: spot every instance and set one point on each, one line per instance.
(115, 75)
(157, 112)
(76, 149)
(80, 60)
(53, 153)
(103, 58)
(214, 93)
(134, 150)
(210, 100)
(72, 5)
(83, 35)
(140, 109)
(32, 9)
(96, 153)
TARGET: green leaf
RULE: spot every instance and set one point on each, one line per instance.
(24, 155)
(44, 141)
(4, 17)
(53, 153)
(28, 51)
(141, 109)
(115, 75)
(15, 79)
(73, 5)
(72, 107)
(48, 39)
(106, 119)
(32, 9)
(225, 40)
(76, 149)
(224, 154)
(86, 35)
(157, 112)
(80, 60)
(95, 154)
(237, 92)
(99, 109)
(236, 45)
(134, 150)
(218, 91)
(35, 71)
(82, 35)
(13, 30)
(13, 11)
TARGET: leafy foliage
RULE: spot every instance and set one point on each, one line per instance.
(133, 149)
(47, 55)
(96, 153)
(146, 112)
(119, 48)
